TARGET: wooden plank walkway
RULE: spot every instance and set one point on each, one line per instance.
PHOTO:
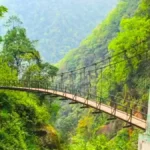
(140, 123)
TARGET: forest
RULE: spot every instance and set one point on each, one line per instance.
(32, 121)
(58, 25)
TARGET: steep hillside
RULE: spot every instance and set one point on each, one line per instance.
(59, 25)
(122, 83)
(95, 46)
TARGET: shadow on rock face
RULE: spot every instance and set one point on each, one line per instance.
(48, 138)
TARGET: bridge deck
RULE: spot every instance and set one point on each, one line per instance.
(102, 107)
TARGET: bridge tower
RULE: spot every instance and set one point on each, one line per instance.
(144, 139)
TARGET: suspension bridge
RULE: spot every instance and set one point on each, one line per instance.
(117, 85)
(99, 107)
(113, 86)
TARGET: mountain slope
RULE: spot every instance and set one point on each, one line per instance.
(95, 46)
(59, 25)
(96, 132)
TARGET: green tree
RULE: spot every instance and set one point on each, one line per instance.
(17, 48)
(43, 72)
(3, 10)
(13, 21)
(137, 28)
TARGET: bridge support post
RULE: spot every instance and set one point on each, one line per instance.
(144, 139)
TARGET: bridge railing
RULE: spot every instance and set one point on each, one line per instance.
(132, 107)
(120, 104)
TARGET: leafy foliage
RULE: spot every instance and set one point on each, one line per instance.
(17, 47)
(42, 72)
(23, 116)
(2, 10)
(83, 131)
(95, 46)
(126, 27)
